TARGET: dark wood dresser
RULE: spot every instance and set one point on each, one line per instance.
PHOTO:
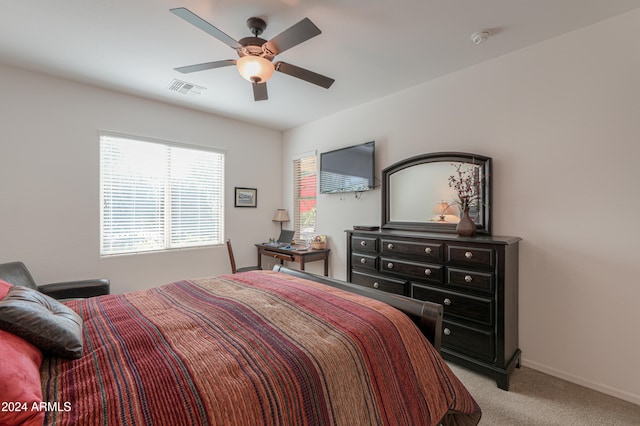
(475, 280)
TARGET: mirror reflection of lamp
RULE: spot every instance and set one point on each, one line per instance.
(442, 209)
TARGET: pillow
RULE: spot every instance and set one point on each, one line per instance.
(20, 387)
(42, 321)
(4, 288)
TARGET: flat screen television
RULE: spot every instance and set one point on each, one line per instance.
(350, 169)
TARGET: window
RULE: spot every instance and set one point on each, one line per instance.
(158, 196)
(304, 195)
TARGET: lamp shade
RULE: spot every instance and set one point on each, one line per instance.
(255, 69)
(443, 208)
(281, 216)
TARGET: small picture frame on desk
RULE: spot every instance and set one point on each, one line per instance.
(246, 197)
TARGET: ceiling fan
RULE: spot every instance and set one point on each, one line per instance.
(256, 54)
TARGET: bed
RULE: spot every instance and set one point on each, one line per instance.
(256, 348)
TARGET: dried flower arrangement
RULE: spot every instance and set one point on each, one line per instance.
(467, 184)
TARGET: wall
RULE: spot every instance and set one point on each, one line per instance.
(560, 120)
(49, 180)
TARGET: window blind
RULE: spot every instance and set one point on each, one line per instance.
(157, 196)
(304, 196)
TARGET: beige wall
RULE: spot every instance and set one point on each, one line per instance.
(49, 180)
(561, 121)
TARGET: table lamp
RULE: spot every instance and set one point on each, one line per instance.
(281, 216)
(443, 208)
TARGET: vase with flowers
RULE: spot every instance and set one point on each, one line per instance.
(466, 182)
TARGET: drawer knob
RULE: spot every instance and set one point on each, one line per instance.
(390, 265)
(428, 250)
(427, 271)
(376, 285)
(468, 255)
(363, 243)
(447, 301)
(468, 278)
(390, 246)
(363, 260)
(447, 332)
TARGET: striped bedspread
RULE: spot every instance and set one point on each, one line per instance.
(258, 348)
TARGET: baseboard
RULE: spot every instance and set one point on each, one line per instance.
(608, 390)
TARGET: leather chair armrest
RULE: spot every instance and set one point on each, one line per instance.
(76, 289)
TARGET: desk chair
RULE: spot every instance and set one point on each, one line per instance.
(233, 261)
(16, 273)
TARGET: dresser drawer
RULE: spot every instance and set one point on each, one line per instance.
(364, 244)
(418, 270)
(470, 279)
(429, 252)
(476, 342)
(363, 261)
(467, 307)
(385, 284)
(471, 255)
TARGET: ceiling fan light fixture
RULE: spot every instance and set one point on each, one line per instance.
(256, 55)
(255, 69)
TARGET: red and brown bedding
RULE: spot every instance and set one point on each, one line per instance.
(247, 349)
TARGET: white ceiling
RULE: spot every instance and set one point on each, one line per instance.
(372, 48)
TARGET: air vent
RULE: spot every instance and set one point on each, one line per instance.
(186, 88)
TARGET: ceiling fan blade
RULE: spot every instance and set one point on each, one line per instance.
(194, 19)
(304, 74)
(294, 35)
(260, 91)
(206, 66)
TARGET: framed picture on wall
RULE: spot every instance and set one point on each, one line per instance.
(246, 197)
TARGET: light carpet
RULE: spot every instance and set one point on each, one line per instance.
(536, 398)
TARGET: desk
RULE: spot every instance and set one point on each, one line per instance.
(300, 255)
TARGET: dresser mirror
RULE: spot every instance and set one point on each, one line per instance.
(416, 195)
